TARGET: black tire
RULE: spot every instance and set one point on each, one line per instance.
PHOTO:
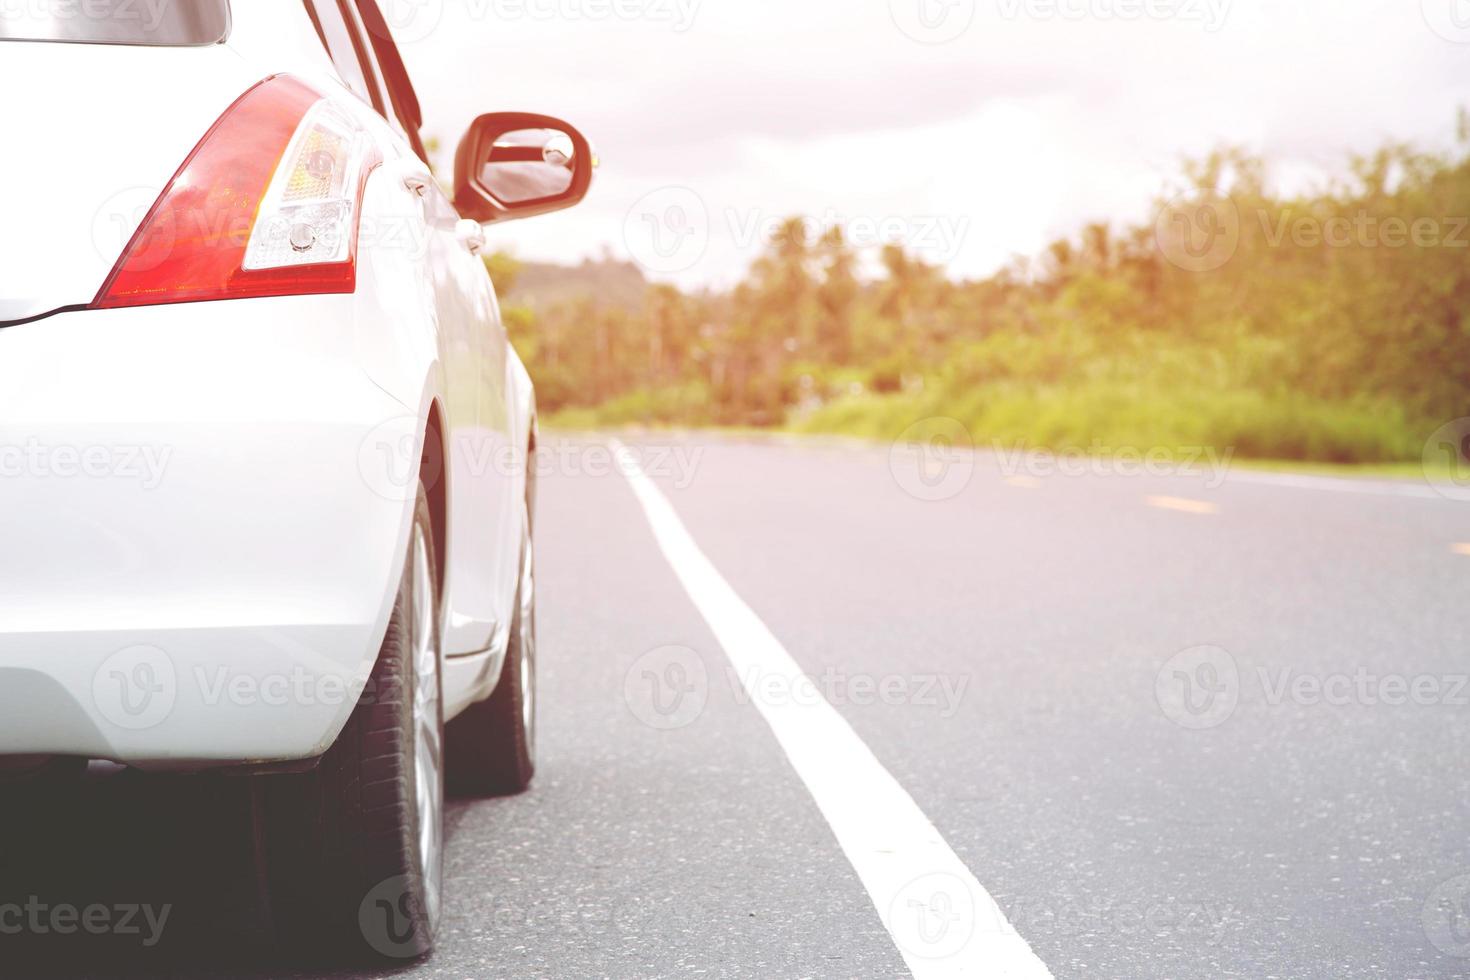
(345, 869)
(57, 771)
(490, 750)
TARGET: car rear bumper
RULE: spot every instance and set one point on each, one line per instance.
(198, 563)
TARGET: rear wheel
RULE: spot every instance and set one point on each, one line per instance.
(491, 748)
(354, 849)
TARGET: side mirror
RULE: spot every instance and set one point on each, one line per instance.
(516, 164)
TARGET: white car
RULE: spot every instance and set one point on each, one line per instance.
(264, 445)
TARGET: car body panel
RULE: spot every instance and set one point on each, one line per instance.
(205, 501)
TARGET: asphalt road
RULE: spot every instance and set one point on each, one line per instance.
(1174, 726)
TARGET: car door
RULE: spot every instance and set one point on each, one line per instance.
(484, 551)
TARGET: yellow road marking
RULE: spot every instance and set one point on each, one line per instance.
(1461, 549)
(1023, 482)
(1183, 505)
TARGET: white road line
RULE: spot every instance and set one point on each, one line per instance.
(944, 922)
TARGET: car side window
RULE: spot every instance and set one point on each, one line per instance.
(391, 70)
(346, 49)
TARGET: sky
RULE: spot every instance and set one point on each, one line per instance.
(971, 131)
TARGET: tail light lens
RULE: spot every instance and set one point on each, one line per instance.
(268, 204)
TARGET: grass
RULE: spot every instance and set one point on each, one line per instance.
(1263, 431)
(1099, 419)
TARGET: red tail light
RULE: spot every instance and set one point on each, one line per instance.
(268, 204)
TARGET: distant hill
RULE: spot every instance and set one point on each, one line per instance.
(544, 285)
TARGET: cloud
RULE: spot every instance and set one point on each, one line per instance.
(1028, 125)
